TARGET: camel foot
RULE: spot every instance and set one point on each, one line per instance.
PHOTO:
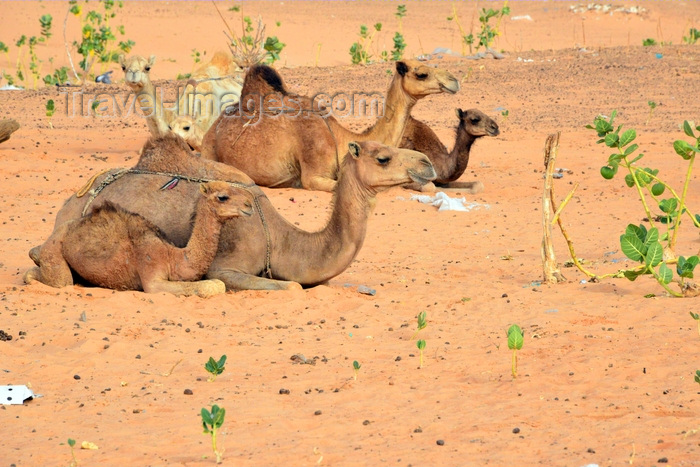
(427, 188)
(204, 288)
(31, 275)
(236, 280)
(470, 187)
(34, 254)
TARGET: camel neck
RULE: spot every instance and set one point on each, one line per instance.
(201, 248)
(152, 106)
(460, 152)
(389, 128)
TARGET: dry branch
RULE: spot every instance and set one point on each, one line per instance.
(7, 127)
(549, 260)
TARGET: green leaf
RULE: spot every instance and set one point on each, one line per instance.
(631, 149)
(638, 230)
(697, 376)
(420, 344)
(514, 328)
(683, 149)
(627, 137)
(614, 159)
(221, 362)
(611, 140)
(695, 316)
(71, 442)
(668, 205)
(356, 365)
(658, 189)
(651, 236)
(603, 127)
(629, 180)
(655, 254)
(688, 128)
(206, 417)
(665, 274)
(632, 247)
(632, 275)
(607, 172)
(515, 340)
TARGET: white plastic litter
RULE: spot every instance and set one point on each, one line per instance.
(15, 395)
(521, 17)
(9, 87)
(445, 203)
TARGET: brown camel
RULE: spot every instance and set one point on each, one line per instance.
(211, 87)
(300, 148)
(116, 249)
(449, 165)
(7, 127)
(265, 243)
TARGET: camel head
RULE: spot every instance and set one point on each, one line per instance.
(185, 127)
(420, 80)
(379, 166)
(476, 123)
(136, 70)
(226, 200)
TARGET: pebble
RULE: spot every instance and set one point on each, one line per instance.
(76, 376)
(318, 412)
(440, 442)
(188, 392)
(663, 460)
(363, 289)
(284, 391)
(516, 430)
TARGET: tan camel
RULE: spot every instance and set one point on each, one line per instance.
(449, 165)
(298, 148)
(211, 87)
(116, 249)
(265, 243)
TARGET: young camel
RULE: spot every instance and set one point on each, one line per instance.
(305, 148)
(266, 240)
(449, 165)
(116, 249)
(210, 88)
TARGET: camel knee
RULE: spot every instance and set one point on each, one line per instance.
(34, 254)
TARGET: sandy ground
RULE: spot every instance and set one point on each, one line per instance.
(605, 375)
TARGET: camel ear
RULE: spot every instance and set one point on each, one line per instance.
(354, 149)
(460, 114)
(401, 68)
(204, 188)
(151, 60)
(121, 59)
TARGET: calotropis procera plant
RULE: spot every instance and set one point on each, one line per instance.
(653, 245)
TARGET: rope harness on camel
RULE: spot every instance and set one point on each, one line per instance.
(175, 178)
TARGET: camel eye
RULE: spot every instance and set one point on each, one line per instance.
(475, 120)
(186, 128)
(148, 68)
(421, 75)
(222, 198)
(383, 160)
(124, 69)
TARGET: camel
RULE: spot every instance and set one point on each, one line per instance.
(116, 249)
(210, 88)
(264, 243)
(300, 148)
(449, 166)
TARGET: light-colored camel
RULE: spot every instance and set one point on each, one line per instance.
(265, 243)
(304, 149)
(450, 165)
(116, 249)
(211, 87)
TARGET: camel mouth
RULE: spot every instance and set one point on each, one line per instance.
(451, 88)
(494, 132)
(419, 179)
(246, 213)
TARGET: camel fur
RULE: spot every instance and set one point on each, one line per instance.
(295, 256)
(304, 148)
(116, 249)
(449, 165)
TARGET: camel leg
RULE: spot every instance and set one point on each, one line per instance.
(317, 182)
(427, 188)
(34, 254)
(204, 288)
(52, 267)
(236, 280)
(469, 187)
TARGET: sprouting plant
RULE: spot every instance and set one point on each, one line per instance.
(71, 443)
(692, 37)
(235, 8)
(274, 48)
(252, 46)
(422, 323)
(59, 77)
(45, 21)
(515, 343)
(215, 368)
(648, 42)
(196, 58)
(399, 43)
(421, 346)
(400, 14)
(212, 421)
(696, 317)
(359, 51)
(50, 108)
(640, 243)
(697, 376)
(504, 114)
(487, 34)
(356, 368)
(6, 50)
(652, 106)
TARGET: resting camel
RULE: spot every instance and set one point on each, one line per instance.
(264, 243)
(210, 88)
(305, 149)
(116, 249)
(449, 166)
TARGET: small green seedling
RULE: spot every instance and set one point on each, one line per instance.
(697, 376)
(50, 108)
(652, 106)
(696, 317)
(421, 346)
(71, 443)
(515, 343)
(212, 421)
(692, 37)
(215, 368)
(422, 323)
(356, 367)
(505, 114)
(648, 42)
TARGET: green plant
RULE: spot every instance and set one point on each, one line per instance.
(421, 346)
(45, 22)
(252, 46)
(215, 368)
(212, 421)
(653, 250)
(505, 114)
(6, 50)
(399, 43)
(697, 376)
(71, 443)
(652, 106)
(649, 42)
(196, 58)
(59, 77)
(696, 317)
(422, 323)
(50, 108)
(487, 33)
(692, 37)
(274, 48)
(356, 368)
(359, 51)
(515, 343)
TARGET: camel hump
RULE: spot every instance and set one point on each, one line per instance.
(269, 75)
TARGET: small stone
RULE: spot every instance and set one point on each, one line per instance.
(591, 450)
(363, 289)
(418, 430)
(663, 460)
(284, 391)
(136, 411)
(188, 392)
(318, 412)
(76, 376)
(366, 422)
(516, 430)
(440, 442)
(505, 295)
